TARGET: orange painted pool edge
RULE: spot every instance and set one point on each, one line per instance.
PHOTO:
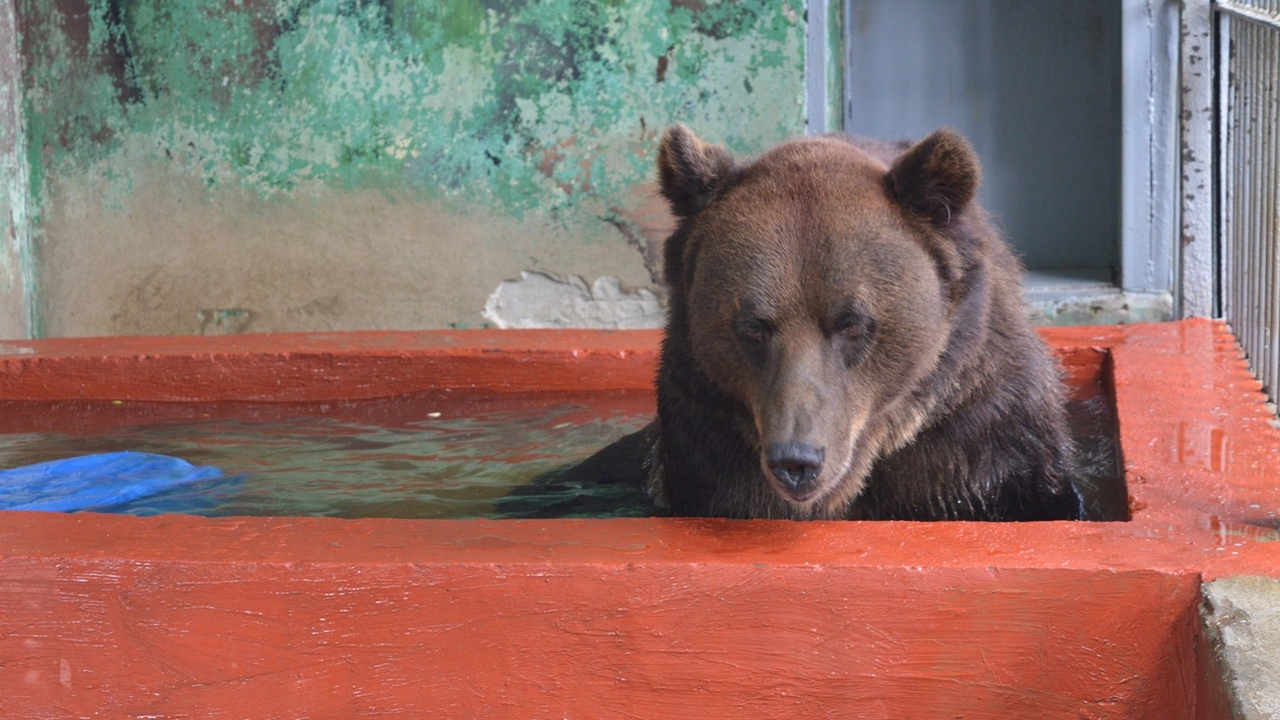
(588, 618)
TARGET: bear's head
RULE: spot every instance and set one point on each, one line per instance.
(816, 285)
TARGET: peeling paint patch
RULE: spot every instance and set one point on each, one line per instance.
(542, 300)
(547, 107)
(225, 322)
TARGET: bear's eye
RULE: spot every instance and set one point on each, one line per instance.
(754, 331)
(852, 333)
(852, 325)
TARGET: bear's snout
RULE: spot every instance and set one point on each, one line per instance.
(795, 465)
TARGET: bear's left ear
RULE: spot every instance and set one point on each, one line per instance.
(937, 178)
(691, 172)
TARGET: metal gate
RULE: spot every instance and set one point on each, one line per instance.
(1249, 118)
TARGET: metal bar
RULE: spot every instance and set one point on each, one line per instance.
(1264, 210)
(1263, 255)
(1263, 174)
(1271, 240)
(1233, 131)
(1238, 219)
(1227, 163)
(1248, 93)
(1260, 250)
(1271, 151)
(1270, 18)
(1233, 211)
(1222, 156)
(1251, 94)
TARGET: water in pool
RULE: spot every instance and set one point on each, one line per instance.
(420, 457)
(442, 455)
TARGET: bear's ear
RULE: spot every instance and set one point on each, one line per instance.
(937, 178)
(690, 171)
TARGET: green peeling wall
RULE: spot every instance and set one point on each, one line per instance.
(247, 165)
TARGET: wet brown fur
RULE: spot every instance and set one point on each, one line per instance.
(849, 294)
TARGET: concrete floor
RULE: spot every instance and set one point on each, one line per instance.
(1242, 616)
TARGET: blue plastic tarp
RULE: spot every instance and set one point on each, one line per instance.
(96, 481)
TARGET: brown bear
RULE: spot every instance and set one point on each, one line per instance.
(846, 338)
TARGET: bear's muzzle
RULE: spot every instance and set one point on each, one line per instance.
(795, 465)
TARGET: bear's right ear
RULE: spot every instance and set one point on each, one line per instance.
(937, 177)
(690, 171)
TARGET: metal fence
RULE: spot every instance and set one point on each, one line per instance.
(1248, 178)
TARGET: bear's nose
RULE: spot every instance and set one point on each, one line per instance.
(794, 464)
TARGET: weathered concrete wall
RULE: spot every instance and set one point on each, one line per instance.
(15, 241)
(202, 166)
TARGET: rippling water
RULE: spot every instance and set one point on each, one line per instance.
(423, 457)
(455, 462)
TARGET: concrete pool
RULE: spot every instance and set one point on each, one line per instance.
(174, 615)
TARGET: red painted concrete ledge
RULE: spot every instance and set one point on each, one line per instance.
(175, 616)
